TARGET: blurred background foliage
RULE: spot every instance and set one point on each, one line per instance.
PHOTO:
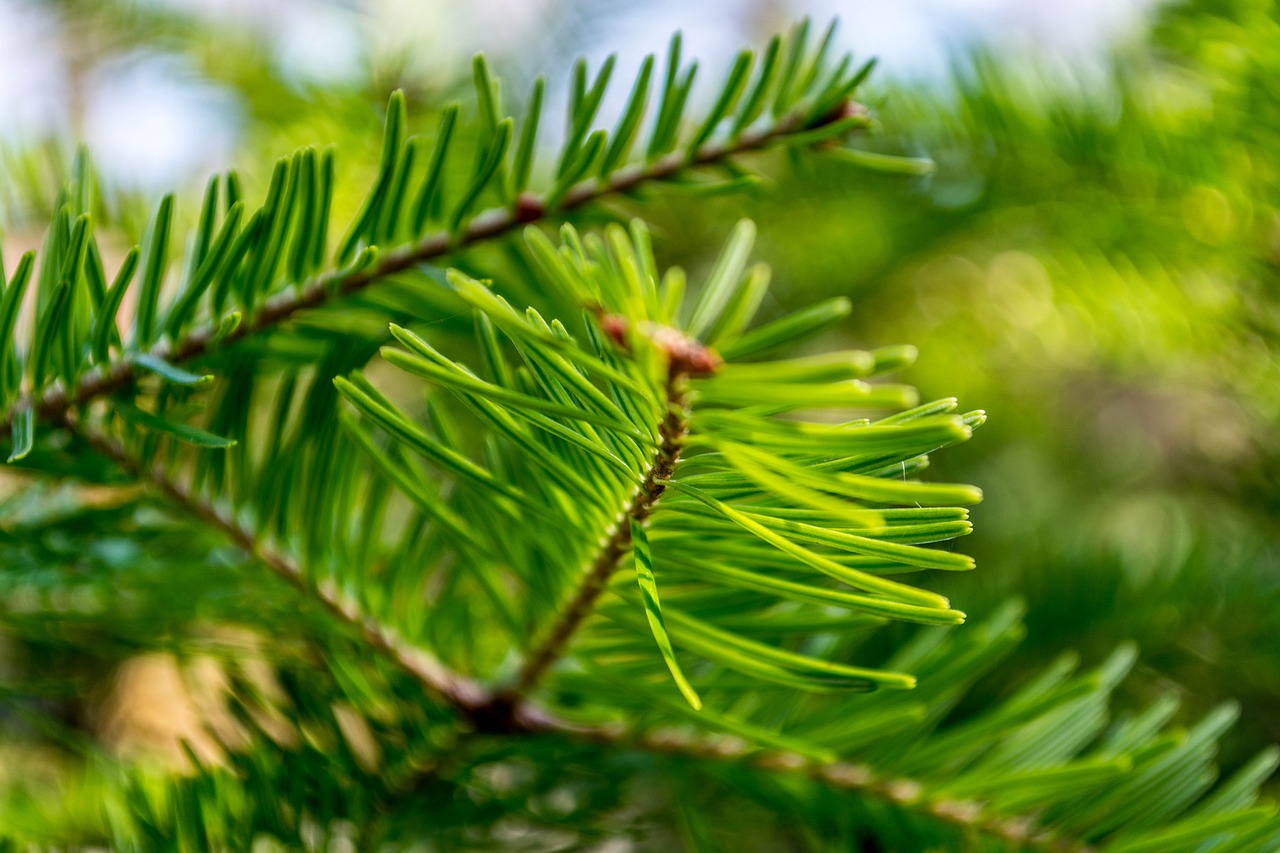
(1095, 261)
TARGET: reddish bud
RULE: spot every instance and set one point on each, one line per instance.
(615, 326)
(529, 208)
(684, 354)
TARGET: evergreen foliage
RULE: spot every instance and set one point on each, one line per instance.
(489, 563)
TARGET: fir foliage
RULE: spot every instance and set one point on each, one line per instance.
(487, 543)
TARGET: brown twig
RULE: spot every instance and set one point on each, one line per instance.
(685, 357)
(447, 686)
(672, 434)
(969, 815)
(333, 285)
(510, 712)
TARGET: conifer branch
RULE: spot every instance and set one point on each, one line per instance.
(449, 687)
(331, 287)
(857, 778)
(509, 712)
(674, 428)
(909, 794)
(777, 552)
(687, 381)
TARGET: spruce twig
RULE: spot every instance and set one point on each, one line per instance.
(612, 550)
(448, 687)
(333, 286)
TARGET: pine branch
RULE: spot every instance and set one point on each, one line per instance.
(674, 428)
(776, 546)
(763, 474)
(484, 711)
(331, 287)
(508, 713)
(448, 687)
(653, 370)
(862, 779)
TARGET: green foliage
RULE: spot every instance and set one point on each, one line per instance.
(478, 562)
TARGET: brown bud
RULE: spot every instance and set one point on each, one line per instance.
(529, 208)
(615, 326)
(684, 354)
(846, 109)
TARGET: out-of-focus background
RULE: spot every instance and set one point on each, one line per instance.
(166, 90)
(1095, 261)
